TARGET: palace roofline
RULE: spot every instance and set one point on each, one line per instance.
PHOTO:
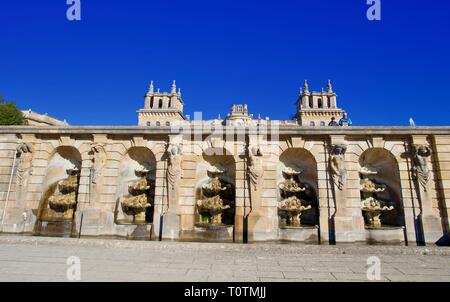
(283, 130)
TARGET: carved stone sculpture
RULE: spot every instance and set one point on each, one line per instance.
(64, 198)
(421, 171)
(99, 158)
(291, 204)
(372, 209)
(369, 186)
(255, 166)
(337, 165)
(174, 167)
(137, 202)
(24, 168)
(371, 206)
(211, 206)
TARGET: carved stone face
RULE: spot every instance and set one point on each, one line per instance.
(423, 151)
(175, 150)
(339, 149)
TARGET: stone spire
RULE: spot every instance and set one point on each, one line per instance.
(330, 87)
(151, 89)
(179, 92)
(174, 87)
(306, 87)
(149, 95)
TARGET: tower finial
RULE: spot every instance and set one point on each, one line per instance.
(330, 87)
(179, 92)
(174, 87)
(151, 89)
(305, 87)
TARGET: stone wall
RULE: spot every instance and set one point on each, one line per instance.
(423, 210)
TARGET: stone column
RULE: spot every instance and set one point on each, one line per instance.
(411, 206)
(442, 170)
(422, 158)
(342, 208)
(8, 144)
(261, 188)
(327, 207)
(24, 172)
(242, 195)
(173, 167)
(161, 201)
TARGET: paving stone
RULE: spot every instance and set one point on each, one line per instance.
(307, 275)
(44, 259)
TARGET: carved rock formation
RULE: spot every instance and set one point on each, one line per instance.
(65, 197)
(138, 201)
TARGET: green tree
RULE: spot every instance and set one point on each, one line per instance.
(9, 114)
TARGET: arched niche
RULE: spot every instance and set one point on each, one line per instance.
(135, 158)
(50, 222)
(221, 159)
(302, 160)
(386, 165)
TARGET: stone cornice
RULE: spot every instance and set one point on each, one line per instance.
(283, 130)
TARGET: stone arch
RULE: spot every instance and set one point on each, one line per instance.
(133, 158)
(386, 163)
(303, 160)
(50, 222)
(221, 158)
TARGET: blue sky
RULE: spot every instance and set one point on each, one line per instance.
(97, 70)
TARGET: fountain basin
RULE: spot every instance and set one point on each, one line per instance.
(303, 233)
(209, 233)
(385, 234)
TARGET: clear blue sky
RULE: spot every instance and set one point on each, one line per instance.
(97, 70)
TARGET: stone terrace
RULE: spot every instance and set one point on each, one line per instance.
(44, 259)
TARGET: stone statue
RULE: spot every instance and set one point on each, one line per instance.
(24, 168)
(174, 168)
(99, 160)
(420, 169)
(337, 165)
(255, 166)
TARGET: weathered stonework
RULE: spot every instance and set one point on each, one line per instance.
(178, 158)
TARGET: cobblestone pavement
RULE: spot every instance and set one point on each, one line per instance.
(45, 259)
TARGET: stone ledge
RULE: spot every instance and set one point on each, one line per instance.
(283, 130)
(252, 248)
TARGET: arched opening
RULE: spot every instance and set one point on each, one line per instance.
(58, 204)
(168, 124)
(151, 103)
(381, 199)
(322, 124)
(215, 195)
(160, 104)
(304, 165)
(328, 103)
(149, 124)
(312, 124)
(311, 103)
(320, 103)
(158, 124)
(136, 187)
